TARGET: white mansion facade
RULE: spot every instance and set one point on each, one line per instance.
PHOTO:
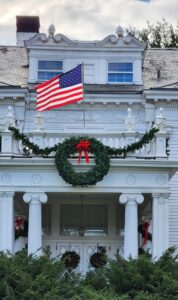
(128, 89)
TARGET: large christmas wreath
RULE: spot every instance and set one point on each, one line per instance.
(85, 144)
(88, 146)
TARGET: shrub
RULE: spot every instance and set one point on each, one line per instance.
(30, 278)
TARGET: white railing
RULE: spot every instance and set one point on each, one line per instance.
(157, 148)
(154, 149)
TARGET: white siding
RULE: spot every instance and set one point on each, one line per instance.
(173, 203)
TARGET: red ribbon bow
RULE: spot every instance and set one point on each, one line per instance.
(83, 146)
(19, 224)
(146, 226)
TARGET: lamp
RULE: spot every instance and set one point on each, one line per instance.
(26, 150)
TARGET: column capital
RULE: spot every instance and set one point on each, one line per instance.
(162, 197)
(35, 198)
(6, 194)
(131, 199)
(157, 195)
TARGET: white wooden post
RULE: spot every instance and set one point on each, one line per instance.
(131, 202)
(35, 223)
(6, 221)
(160, 224)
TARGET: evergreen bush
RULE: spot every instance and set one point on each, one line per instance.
(24, 277)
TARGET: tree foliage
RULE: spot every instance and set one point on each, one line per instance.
(160, 34)
(29, 278)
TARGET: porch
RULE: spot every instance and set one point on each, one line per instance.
(87, 224)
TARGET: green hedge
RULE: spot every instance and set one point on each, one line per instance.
(25, 277)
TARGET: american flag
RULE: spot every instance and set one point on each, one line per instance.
(60, 90)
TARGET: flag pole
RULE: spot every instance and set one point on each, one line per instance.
(83, 93)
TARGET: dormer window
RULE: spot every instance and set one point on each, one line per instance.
(49, 69)
(120, 72)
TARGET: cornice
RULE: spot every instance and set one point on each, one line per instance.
(120, 164)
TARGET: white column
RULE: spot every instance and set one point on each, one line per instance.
(6, 221)
(160, 238)
(131, 202)
(35, 225)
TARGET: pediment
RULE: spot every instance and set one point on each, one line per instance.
(111, 41)
(128, 41)
(42, 39)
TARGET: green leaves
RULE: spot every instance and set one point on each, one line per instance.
(30, 278)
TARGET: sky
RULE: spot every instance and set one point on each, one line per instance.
(84, 19)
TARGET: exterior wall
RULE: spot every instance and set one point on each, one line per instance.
(23, 36)
(95, 62)
(173, 200)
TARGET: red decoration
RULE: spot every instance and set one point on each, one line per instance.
(146, 226)
(83, 146)
(19, 223)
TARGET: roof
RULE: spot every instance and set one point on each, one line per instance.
(14, 70)
(13, 66)
(165, 60)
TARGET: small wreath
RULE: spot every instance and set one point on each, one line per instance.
(71, 259)
(66, 169)
(98, 260)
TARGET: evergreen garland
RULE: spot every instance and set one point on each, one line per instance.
(101, 154)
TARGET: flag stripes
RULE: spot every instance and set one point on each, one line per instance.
(60, 90)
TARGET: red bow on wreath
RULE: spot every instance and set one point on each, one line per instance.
(83, 146)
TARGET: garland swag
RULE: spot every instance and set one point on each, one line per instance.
(69, 147)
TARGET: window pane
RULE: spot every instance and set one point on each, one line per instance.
(120, 67)
(88, 220)
(120, 77)
(50, 65)
(128, 77)
(47, 75)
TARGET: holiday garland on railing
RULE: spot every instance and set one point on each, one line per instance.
(86, 145)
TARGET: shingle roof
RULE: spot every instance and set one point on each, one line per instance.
(14, 70)
(13, 66)
(165, 60)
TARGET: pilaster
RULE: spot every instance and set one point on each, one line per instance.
(6, 221)
(160, 237)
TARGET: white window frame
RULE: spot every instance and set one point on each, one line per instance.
(119, 72)
(44, 70)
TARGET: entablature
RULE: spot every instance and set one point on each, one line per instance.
(37, 174)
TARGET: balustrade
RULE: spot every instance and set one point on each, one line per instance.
(154, 149)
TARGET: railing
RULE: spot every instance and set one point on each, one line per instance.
(155, 148)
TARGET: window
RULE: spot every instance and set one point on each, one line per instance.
(49, 69)
(84, 220)
(120, 72)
